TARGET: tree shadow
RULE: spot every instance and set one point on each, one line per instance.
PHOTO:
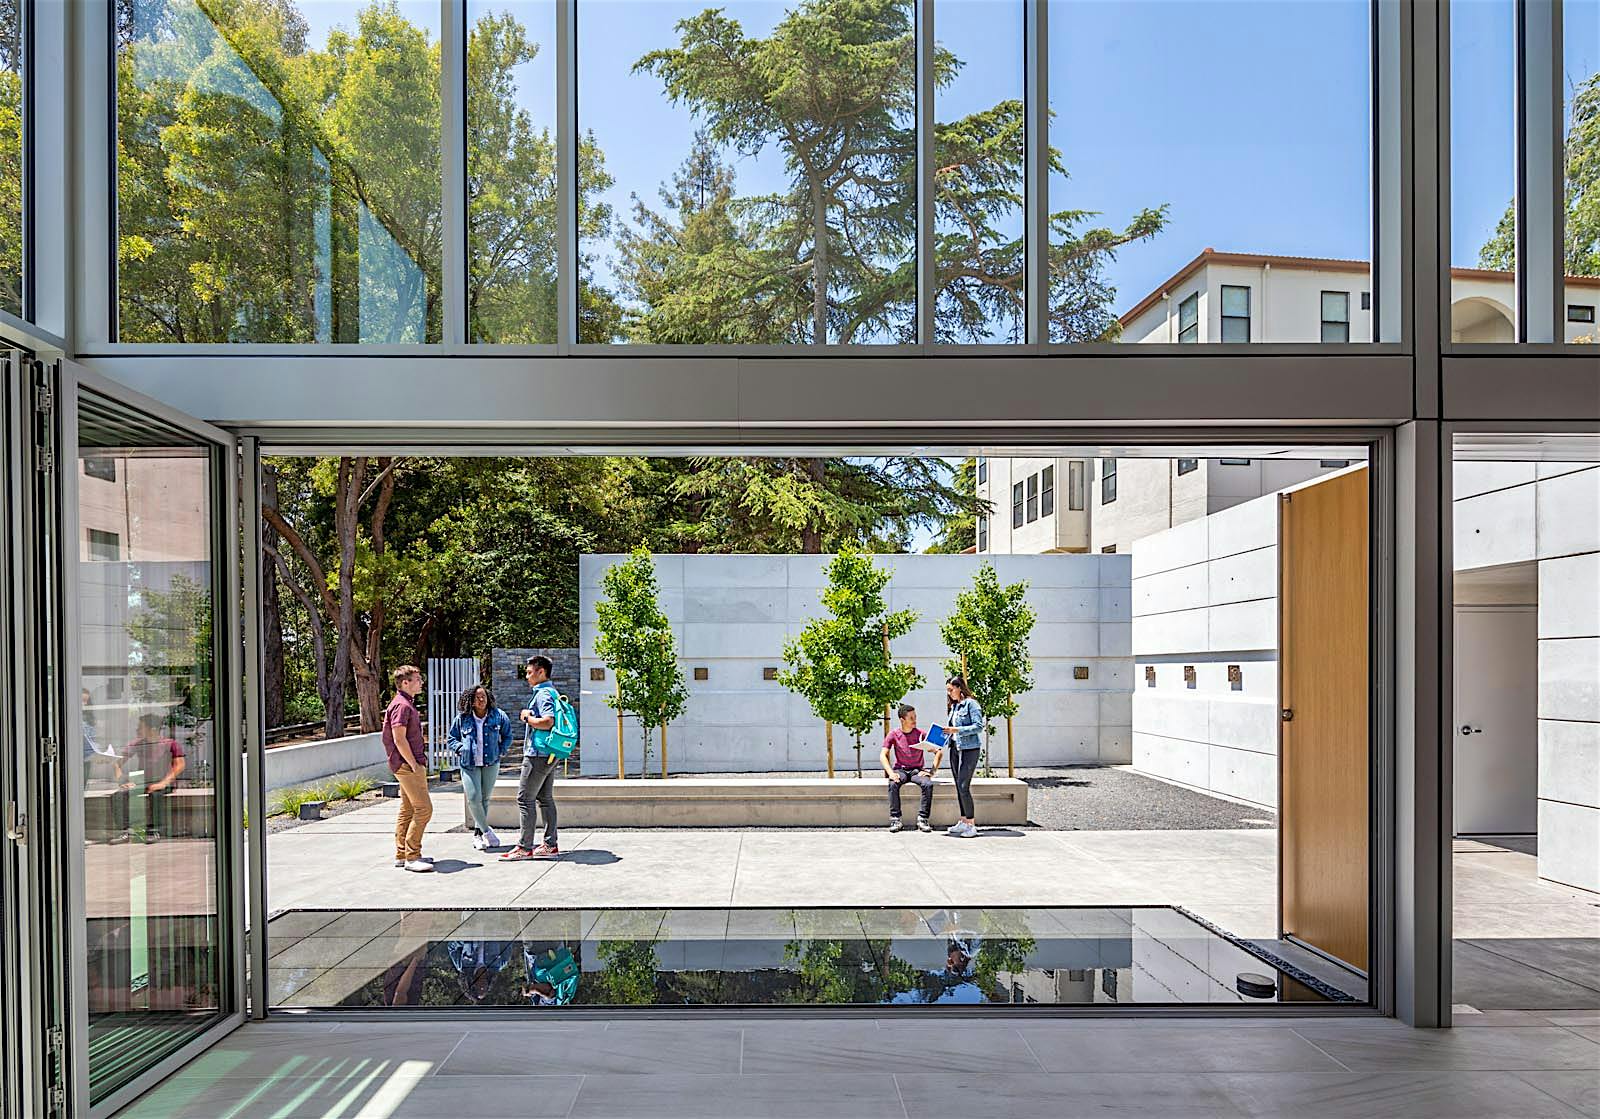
(1055, 783)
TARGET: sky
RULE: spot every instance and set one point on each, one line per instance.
(1250, 119)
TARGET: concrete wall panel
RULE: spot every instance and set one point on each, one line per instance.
(1569, 762)
(1494, 528)
(1569, 596)
(1567, 513)
(1569, 679)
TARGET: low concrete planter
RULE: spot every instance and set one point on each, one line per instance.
(731, 802)
(307, 762)
(390, 789)
(312, 809)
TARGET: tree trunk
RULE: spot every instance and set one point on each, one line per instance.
(346, 494)
(272, 698)
(816, 472)
(819, 263)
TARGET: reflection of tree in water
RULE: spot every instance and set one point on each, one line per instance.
(627, 976)
(996, 955)
(836, 972)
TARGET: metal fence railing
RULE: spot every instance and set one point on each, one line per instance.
(448, 677)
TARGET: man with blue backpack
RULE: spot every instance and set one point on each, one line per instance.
(552, 731)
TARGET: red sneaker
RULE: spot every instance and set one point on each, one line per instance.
(545, 851)
(516, 855)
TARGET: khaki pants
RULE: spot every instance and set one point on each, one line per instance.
(416, 809)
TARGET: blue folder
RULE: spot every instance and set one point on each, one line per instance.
(936, 735)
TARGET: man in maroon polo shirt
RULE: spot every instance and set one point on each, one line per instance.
(402, 741)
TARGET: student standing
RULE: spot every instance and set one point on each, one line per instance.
(964, 727)
(479, 737)
(536, 790)
(903, 759)
(402, 741)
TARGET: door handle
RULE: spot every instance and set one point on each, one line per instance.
(16, 825)
(1465, 729)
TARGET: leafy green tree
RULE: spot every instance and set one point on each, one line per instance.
(841, 664)
(812, 505)
(959, 528)
(1582, 254)
(990, 628)
(172, 635)
(635, 641)
(11, 169)
(831, 257)
(628, 973)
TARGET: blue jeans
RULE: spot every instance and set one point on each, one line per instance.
(477, 782)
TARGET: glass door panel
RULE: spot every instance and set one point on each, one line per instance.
(149, 723)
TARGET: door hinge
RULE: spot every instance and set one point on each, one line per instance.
(58, 1099)
(48, 751)
(58, 1039)
(44, 400)
(45, 460)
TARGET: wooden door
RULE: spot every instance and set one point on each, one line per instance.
(1323, 690)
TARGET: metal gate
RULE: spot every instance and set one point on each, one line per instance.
(448, 677)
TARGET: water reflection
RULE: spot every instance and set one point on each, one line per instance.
(762, 957)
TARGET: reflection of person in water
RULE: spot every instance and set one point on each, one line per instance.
(402, 980)
(477, 963)
(954, 983)
(552, 973)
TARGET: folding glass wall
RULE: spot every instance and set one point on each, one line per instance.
(152, 745)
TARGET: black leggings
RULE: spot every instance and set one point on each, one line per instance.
(963, 764)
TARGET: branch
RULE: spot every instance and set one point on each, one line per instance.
(285, 530)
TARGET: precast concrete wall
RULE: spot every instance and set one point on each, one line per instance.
(1548, 514)
(732, 614)
(1205, 599)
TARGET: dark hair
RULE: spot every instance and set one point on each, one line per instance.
(468, 695)
(959, 683)
(539, 660)
(152, 721)
(906, 709)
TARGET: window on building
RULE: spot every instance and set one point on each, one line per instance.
(1188, 465)
(983, 470)
(1234, 461)
(1016, 505)
(103, 467)
(983, 532)
(1189, 319)
(1333, 463)
(1033, 498)
(1579, 312)
(104, 547)
(1366, 301)
(1336, 316)
(1047, 491)
(1235, 313)
(1075, 484)
(1109, 549)
(1108, 481)
(277, 172)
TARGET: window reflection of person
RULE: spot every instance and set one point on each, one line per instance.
(153, 751)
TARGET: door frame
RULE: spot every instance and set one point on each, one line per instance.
(72, 381)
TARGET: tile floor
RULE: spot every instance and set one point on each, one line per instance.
(813, 1068)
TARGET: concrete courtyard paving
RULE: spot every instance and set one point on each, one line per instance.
(1227, 876)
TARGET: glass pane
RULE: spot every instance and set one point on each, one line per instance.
(1189, 313)
(1581, 72)
(278, 172)
(13, 240)
(155, 970)
(1235, 330)
(1335, 332)
(511, 171)
(1483, 171)
(1155, 195)
(759, 171)
(978, 182)
(1335, 306)
(1235, 301)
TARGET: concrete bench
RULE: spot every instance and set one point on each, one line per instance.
(734, 802)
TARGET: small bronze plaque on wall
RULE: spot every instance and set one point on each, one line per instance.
(769, 673)
(597, 674)
(1188, 675)
(702, 673)
(1150, 675)
(1080, 672)
(1235, 674)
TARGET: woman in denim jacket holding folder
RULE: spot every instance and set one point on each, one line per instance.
(964, 726)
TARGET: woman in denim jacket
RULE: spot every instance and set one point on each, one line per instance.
(479, 738)
(964, 727)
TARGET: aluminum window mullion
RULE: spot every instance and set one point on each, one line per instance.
(255, 786)
(1540, 171)
(453, 160)
(1392, 88)
(1036, 141)
(89, 189)
(566, 175)
(925, 165)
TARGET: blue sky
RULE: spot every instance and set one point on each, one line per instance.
(1250, 118)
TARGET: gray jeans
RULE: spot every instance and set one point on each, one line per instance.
(537, 786)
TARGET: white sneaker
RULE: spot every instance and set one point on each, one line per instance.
(895, 824)
(954, 829)
(968, 831)
(419, 866)
(490, 839)
(477, 842)
(400, 863)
